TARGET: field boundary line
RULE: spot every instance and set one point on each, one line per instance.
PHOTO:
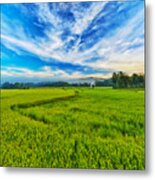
(39, 103)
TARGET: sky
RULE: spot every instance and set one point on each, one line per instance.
(67, 41)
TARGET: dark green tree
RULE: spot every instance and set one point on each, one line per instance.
(114, 79)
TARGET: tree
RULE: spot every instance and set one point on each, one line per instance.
(134, 79)
(122, 80)
(114, 79)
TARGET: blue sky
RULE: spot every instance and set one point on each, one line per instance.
(64, 41)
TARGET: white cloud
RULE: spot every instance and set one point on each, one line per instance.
(42, 73)
(46, 73)
(25, 72)
(39, 50)
(46, 16)
(52, 46)
(83, 20)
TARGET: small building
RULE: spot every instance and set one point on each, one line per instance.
(92, 84)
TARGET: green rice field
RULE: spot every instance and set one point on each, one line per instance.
(101, 128)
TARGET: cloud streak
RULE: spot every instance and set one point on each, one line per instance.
(101, 36)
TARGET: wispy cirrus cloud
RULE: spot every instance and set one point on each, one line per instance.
(44, 73)
(100, 36)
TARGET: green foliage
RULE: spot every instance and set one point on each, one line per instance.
(73, 128)
(122, 80)
(16, 85)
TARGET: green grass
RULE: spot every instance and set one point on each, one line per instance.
(73, 128)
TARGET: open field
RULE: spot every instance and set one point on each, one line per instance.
(73, 128)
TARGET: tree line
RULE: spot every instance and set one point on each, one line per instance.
(18, 85)
(122, 80)
(118, 80)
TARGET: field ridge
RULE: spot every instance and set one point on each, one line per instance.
(42, 102)
(17, 107)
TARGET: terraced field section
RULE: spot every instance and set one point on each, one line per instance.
(73, 128)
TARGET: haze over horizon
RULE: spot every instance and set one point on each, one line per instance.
(66, 41)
